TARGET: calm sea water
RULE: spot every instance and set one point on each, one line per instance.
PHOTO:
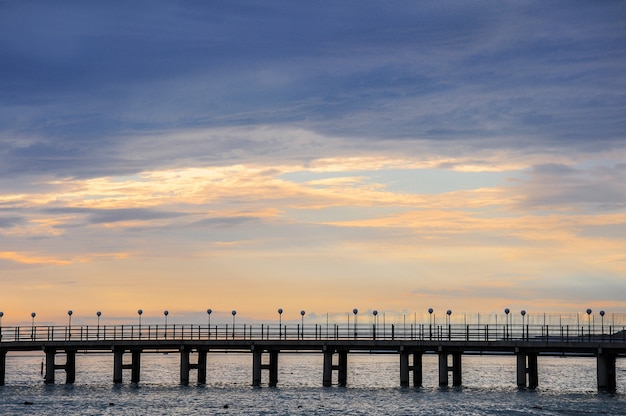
(567, 387)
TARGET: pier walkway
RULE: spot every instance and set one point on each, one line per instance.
(332, 342)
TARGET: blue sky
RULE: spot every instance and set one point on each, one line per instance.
(295, 145)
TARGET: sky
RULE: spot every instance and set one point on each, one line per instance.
(318, 156)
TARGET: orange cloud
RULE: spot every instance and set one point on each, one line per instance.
(31, 259)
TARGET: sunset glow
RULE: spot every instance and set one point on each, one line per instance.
(394, 158)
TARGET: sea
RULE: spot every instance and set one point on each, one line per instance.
(567, 386)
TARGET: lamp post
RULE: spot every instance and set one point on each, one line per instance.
(234, 312)
(601, 317)
(588, 323)
(448, 313)
(507, 311)
(302, 312)
(280, 323)
(32, 327)
(166, 312)
(1, 315)
(523, 313)
(69, 324)
(209, 312)
(98, 314)
(430, 323)
(375, 313)
(355, 311)
(140, 312)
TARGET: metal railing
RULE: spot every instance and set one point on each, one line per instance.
(416, 332)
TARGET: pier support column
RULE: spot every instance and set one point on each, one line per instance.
(3, 366)
(443, 369)
(184, 366)
(342, 376)
(456, 369)
(327, 380)
(533, 373)
(50, 367)
(257, 356)
(417, 369)
(202, 359)
(118, 364)
(273, 367)
(70, 366)
(136, 366)
(521, 370)
(527, 365)
(404, 368)
(606, 372)
(258, 366)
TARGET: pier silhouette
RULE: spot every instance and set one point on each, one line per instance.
(334, 342)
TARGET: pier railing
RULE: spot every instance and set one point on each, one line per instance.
(417, 332)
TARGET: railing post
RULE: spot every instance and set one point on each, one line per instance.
(526, 332)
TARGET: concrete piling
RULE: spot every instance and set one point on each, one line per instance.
(257, 357)
(527, 370)
(202, 361)
(456, 369)
(135, 366)
(445, 368)
(327, 380)
(406, 367)
(258, 366)
(70, 366)
(273, 368)
(3, 366)
(52, 366)
(118, 364)
(417, 369)
(184, 366)
(606, 371)
(342, 368)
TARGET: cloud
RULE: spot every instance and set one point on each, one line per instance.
(106, 216)
(90, 87)
(555, 186)
(32, 259)
(9, 222)
(349, 143)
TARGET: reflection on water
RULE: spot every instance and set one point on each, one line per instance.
(566, 386)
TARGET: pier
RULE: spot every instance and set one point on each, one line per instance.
(333, 343)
